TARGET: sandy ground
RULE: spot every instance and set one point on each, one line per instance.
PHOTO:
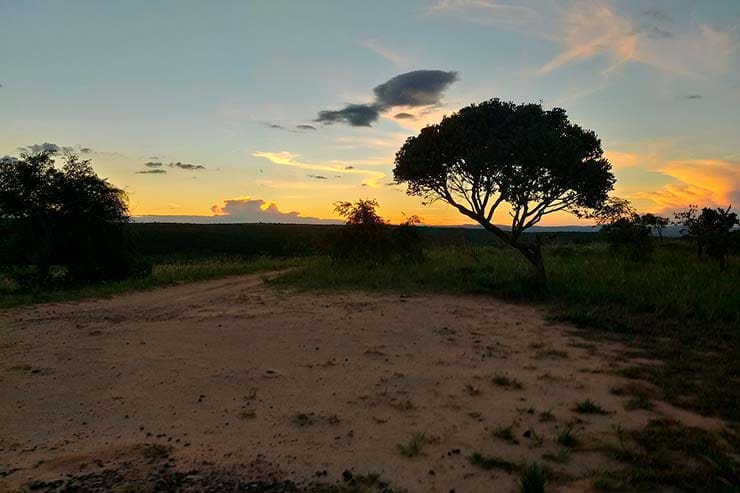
(232, 375)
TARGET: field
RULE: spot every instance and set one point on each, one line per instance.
(426, 374)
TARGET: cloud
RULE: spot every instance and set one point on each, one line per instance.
(252, 210)
(86, 150)
(621, 159)
(286, 158)
(186, 166)
(485, 11)
(305, 127)
(356, 115)
(404, 116)
(153, 164)
(318, 177)
(694, 96)
(45, 147)
(705, 182)
(152, 172)
(419, 88)
(593, 29)
(388, 54)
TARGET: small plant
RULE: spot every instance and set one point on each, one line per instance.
(504, 432)
(590, 407)
(247, 414)
(302, 419)
(413, 448)
(492, 462)
(532, 479)
(505, 381)
(567, 437)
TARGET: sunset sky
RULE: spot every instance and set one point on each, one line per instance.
(272, 110)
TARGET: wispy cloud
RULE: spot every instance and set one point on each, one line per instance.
(286, 158)
(486, 11)
(388, 54)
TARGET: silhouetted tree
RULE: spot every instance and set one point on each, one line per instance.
(499, 152)
(66, 215)
(623, 226)
(655, 223)
(710, 229)
(368, 237)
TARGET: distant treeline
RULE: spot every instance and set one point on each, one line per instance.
(289, 240)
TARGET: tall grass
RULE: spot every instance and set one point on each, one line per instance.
(673, 283)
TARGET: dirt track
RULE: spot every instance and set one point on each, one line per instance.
(231, 375)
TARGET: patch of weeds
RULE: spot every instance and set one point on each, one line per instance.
(492, 462)
(415, 445)
(551, 354)
(505, 381)
(532, 479)
(361, 483)
(546, 416)
(590, 407)
(247, 414)
(504, 433)
(472, 389)
(567, 436)
(561, 456)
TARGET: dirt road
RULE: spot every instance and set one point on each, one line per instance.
(232, 382)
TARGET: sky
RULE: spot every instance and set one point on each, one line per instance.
(273, 110)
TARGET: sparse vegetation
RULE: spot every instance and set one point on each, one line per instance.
(493, 462)
(566, 436)
(590, 407)
(532, 479)
(414, 445)
(504, 432)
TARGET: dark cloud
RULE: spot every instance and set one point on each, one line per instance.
(259, 211)
(417, 88)
(305, 127)
(152, 172)
(356, 115)
(153, 164)
(154, 158)
(694, 96)
(86, 150)
(45, 147)
(349, 167)
(186, 166)
(317, 177)
(403, 116)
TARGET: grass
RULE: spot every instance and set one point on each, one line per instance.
(504, 432)
(566, 437)
(414, 446)
(590, 407)
(532, 479)
(166, 273)
(492, 462)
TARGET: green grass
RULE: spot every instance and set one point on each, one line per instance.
(532, 479)
(414, 446)
(163, 274)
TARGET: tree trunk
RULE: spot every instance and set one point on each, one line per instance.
(533, 253)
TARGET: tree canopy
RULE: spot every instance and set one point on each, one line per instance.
(64, 214)
(498, 152)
